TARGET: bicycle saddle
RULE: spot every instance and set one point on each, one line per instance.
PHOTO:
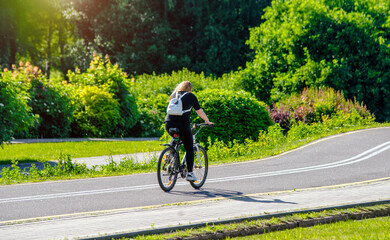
(173, 131)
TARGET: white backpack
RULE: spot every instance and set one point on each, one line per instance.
(175, 106)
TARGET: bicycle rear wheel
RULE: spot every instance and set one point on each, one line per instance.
(166, 174)
(201, 167)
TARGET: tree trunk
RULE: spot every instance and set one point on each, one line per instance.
(61, 42)
(166, 8)
(12, 45)
(48, 51)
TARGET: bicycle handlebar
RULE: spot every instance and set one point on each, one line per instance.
(204, 124)
(200, 126)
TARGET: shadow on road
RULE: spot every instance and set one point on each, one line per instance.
(222, 193)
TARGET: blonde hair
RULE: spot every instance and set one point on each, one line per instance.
(183, 86)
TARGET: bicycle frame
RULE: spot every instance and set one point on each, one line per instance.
(196, 145)
(177, 162)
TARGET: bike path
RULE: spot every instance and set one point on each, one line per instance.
(143, 220)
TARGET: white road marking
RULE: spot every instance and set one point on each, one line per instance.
(358, 158)
(80, 193)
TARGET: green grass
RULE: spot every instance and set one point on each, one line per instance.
(269, 144)
(66, 168)
(33, 152)
(375, 228)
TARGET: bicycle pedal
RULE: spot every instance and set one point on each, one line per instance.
(192, 181)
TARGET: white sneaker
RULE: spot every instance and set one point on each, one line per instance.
(191, 177)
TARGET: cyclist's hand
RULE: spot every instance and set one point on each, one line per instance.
(209, 123)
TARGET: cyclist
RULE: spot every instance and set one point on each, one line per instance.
(182, 122)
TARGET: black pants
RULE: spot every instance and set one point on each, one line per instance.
(186, 137)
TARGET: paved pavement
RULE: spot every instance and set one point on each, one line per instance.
(136, 157)
(141, 220)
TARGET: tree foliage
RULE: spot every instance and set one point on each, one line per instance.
(342, 44)
(146, 36)
(212, 34)
(35, 31)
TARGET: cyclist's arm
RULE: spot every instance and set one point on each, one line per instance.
(203, 115)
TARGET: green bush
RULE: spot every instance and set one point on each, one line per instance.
(53, 105)
(237, 115)
(323, 101)
(147, 85)
(15, 114)
(47, 100)
(105, 75)
(97, 112)
(153, 113)
(313, 104)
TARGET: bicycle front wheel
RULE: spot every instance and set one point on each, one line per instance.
(201, 167)
(166, 174)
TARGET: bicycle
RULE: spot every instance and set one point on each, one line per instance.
(169, 165)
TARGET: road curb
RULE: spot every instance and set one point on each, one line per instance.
(292, 225)
(260, 230)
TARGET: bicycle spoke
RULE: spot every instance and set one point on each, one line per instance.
(165, 173)
(200, 167)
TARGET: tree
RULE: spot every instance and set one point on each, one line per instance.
(8, 32)
(343, 44)
(36, 31)
(213, 33)
(132, 32)
(146, 36)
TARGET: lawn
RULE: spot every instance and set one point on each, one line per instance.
(375, 228)
(32, 152)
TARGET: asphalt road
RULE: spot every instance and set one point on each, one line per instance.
(346, 158)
